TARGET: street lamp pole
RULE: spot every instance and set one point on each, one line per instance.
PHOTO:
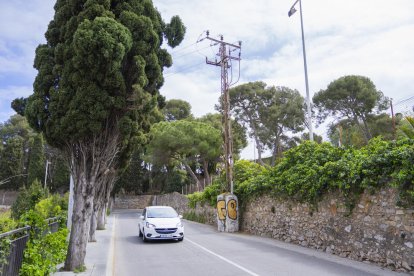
(290, 13)
(47, 165)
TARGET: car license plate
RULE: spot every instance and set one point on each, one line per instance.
(166, 235)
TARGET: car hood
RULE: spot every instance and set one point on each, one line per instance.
(164, 222)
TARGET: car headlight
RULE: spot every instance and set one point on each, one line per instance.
(180, 224)
(149, 225)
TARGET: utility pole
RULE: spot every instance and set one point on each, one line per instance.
(340, 135)
(225, 54)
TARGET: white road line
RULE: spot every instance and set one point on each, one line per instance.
(111, 260)
(223, 258)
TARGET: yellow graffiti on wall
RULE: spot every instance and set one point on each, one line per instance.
(232, 209)
(221, 209)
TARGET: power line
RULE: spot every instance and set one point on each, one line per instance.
(197, 50)
(183, 69)
(183, 48)
(402, 101)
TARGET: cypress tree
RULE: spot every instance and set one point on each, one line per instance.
(98, 82)
(36, 167)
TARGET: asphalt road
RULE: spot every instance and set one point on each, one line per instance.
(205, 251)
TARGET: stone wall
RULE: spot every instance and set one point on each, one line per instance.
(180, 203)
(123, 201)
(376, 231)
(176, 200)
(7, 198)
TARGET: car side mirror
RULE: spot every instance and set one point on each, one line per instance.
(141, 217)
(180, 216)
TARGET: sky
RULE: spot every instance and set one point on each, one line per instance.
(372, 38)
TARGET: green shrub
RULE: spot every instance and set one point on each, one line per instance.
(194, 198)
(194, 217)
(209, 195)
(6, 224)
(53, 206)
(36, 221)
(44, 250)
(27, 199)
(41, 256)
(307, 172)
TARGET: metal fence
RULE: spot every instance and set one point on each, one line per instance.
(18, 244)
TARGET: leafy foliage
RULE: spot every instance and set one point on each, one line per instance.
(53, 206)
(185, 144)
(44, 250)
(309, 171)
(15, 137)
(194, 217)
(6, 224)
(407, 127)
(36, 168)
(41, 256)
(177, 110)
(351, 97)
(237, 130)
(28, 198)
(209, 195)
(270, 113)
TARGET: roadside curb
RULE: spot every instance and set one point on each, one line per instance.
(99, 255)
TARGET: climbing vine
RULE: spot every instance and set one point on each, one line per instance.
(307, 172)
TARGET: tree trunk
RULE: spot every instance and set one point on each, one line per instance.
(258, 146)
(206, 174)
(259, 152)
(97, 202)
(276, 150)
(92, 236)
(107, 180)
(94, 216)
(101, 217)
(274, 154)
(366, 128)
(193, 175)
(82, 211)
(107, 207)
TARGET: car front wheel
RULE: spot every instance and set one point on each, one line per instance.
(140, 233)
(144, 239)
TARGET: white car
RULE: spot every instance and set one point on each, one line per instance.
(160, 223)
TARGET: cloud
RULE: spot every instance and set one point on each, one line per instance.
(7, 95)
(370, 38)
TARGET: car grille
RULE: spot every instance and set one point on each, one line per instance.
(165, 230)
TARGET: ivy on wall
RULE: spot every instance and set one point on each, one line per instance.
(307, 172)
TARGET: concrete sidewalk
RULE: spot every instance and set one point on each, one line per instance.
(99, 255)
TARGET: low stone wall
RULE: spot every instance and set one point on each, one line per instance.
(176, 200)
(376, 231)
(123, 201)
(7, 198)
(180, 203)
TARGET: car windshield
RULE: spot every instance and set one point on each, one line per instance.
(161, 213)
